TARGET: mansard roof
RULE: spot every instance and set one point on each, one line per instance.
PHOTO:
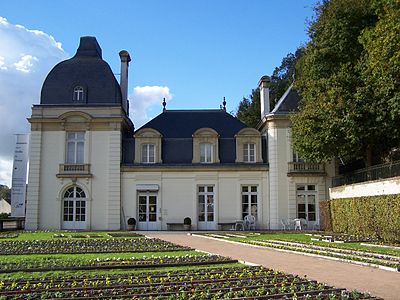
(86, 69)
(184, 123)
(289, 102)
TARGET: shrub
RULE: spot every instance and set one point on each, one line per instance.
(325, 215)
(374, 216)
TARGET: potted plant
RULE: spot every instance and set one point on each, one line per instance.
(187, 223)
(131, 224)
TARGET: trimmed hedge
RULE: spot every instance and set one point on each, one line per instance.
(325, 219)
(374, 216)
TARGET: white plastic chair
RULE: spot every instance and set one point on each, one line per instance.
(250, 222)
(297, 224)
(285, 224)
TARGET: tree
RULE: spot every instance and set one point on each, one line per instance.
(5, 192)
(249, 108)
(283, 76)
(342, 113)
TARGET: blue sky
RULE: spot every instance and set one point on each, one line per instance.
(192, 52)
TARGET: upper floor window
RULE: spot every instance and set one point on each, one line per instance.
(206, 153)
(249, 152)
(75, 147)
(78, 93)
(148, 153)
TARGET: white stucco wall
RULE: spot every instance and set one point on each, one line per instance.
(177, 194)
(371, 188)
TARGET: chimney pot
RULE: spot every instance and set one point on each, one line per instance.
(125, 59)
(263, 84)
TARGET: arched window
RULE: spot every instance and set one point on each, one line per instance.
(78, 94)
(74, 208)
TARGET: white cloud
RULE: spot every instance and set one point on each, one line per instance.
(5, 171)
(26, 57)
(25, 64)
(144, 99)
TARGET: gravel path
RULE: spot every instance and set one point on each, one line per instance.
(378, 282)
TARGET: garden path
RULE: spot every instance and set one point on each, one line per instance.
(381, 283)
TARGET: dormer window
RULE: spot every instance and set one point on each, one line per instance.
(78, 94)
(206, 153)
(249, 153)
(148, 154)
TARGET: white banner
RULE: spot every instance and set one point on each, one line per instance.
(18, 188)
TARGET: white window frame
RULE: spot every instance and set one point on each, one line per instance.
(306, 193)
(75, 147)
(148, 155)
(206, 153)
(248, 195)
(79, 94)
(207, 191)
(248, 157)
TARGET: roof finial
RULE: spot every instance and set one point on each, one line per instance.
(164, 104)
(224, 104)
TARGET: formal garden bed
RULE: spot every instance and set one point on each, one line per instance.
(111, 263)
(304, 243)
(218, 283)
(127, 265)
(86, 246)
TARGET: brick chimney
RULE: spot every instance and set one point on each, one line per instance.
(263, 84)
(125, 59)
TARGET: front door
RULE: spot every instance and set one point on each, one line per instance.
(147, 212)
(306, 204)
(206, 220)
(74, 209)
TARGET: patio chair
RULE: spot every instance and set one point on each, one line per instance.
(285, 224)
(250, 222)
(297, 224)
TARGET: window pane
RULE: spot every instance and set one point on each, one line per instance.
(144, 153)
(80, 136)
(245, 189)
(201, 189)
(311, 187)
(254, 189)
(70, 152)
(151, 154)
(245, 153)
(79, 154)
(210, 217)
(253, 199)
(210, 189)
(301, 187)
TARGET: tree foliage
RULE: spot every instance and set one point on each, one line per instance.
(249, 108)
(348, 78)
(5, 192)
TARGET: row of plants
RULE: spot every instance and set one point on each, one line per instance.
(221, 283)
(307, 238)
(125, 234)
(8, 235)
(341, 238)
(346, 254)
(12, 247)
(110, 263)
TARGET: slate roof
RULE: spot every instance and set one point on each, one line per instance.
(289, 102)
(183, 123)
(86, 69)
(177, 128)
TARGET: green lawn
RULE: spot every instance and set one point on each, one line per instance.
(50, 235)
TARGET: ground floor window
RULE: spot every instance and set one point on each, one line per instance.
(306, 202)
(74, 208)
(206, 203)
(249, 200)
